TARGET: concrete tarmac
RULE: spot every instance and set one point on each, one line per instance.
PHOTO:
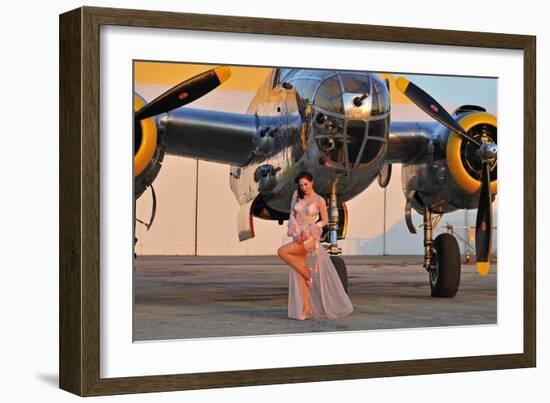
(201, 297)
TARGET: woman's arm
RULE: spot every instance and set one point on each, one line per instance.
(293, 202)
(322, 207)
(293, 227)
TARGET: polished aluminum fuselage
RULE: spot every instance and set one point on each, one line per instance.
(291, 118)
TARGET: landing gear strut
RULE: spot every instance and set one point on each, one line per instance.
(334, 250)
(441, 260)
(333, 224)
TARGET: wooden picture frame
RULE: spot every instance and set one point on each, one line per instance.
(80, 199)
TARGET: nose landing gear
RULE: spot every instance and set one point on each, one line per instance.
(332, 237)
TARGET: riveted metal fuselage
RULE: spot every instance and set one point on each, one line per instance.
(333, 124)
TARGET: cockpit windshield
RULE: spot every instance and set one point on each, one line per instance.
(351, 119)
(349, 112)
(356, 84)
(329, 96)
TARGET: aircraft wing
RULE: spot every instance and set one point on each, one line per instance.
(409, 140)
(227, 138)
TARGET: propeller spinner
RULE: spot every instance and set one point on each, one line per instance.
(487, 153)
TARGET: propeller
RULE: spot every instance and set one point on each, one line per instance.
(487, 153)
(484, 222)
(429, 105)
(184, 93)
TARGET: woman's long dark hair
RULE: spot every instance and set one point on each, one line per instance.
(306, 175)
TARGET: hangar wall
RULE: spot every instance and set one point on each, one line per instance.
(197, 215)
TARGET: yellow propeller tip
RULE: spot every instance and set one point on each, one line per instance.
(402, 83)
(483, 268)
(223, 73)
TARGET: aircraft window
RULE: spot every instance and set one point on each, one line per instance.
(329, 96)
(305, 88)
(372, 149)
(299, 84)
(376, 139)
(309, 90)
(320, 74)
(283, 73)
(356, 134)
(292, 74)
(303, 73)
(380, 101)
(356, 83)
(329, 137)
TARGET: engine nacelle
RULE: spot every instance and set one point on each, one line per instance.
(148, 150)
(446, 176)
(462, 160)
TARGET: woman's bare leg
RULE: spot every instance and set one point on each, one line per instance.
(306, 304)
(295, 255)
(305, 288)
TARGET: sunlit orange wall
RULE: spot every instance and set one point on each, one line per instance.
(242, 78)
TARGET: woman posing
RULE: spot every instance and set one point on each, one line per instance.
(314, 292)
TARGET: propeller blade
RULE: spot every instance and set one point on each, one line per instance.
(185, 92)
(484, 223)
(429, 105)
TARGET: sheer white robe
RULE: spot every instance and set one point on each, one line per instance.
(327, 296)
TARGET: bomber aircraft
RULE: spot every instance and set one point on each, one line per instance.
(336, 125)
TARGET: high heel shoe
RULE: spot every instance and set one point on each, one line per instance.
(307, 316)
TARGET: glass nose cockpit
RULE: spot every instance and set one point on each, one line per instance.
(350, 114)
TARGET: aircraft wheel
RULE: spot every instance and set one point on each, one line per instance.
(445, 271)
(340, 266)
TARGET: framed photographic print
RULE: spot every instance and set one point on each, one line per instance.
(235, 191)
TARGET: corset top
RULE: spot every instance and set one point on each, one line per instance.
(306, 212)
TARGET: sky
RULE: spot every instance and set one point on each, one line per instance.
(458, 91)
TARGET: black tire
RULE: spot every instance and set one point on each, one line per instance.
(340, 266)
(445, 278)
